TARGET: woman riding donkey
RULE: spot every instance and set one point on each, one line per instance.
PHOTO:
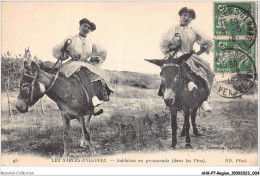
(86, 55)
(179, 41)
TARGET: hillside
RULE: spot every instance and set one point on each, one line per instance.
(147, 81)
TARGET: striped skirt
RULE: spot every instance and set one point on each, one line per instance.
(201, 68)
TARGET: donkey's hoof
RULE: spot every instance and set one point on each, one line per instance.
(173, 146)
(93, 152)
(196, 132)
(188, 146)
(65, 155)
(83, 146)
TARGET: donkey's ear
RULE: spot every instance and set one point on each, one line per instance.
(26, 65)
(34, 66)
(158, 62)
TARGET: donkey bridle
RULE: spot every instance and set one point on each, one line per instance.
(34, 79)
(32, 84)
(180, 77)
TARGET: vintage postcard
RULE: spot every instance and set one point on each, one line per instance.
(142, 84)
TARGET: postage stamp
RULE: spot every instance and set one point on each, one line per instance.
(235, 27)
(94, 87)
(228, 60)
(235, 32)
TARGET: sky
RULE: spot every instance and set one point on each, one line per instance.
(130, 31)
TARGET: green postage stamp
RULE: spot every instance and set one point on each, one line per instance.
(235, 27)
(235, 38)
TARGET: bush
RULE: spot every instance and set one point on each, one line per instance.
(12, 69)
(11, 72)
(244, 119)
(133, 133)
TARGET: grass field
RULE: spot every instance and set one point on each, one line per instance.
(135, 119)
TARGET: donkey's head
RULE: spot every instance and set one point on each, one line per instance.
(31, 90)
(170, 73)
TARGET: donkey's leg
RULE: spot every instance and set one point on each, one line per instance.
(85, 135)
(183, 130)
(187, 129)
(88, 130)
(193, 122)
(87, 125)
(82, 136)
(88, 122)
(174, 127)
(66, 138)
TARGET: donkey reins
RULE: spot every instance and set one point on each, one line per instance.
(35, 79)
(66, 44)
(55, 78)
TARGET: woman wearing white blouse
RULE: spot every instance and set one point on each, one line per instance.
(180, 40)
(84, 53)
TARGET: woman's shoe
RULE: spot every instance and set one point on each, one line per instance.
(191, 86)
(96, 102)
(206, 107)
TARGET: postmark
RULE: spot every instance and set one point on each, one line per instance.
(236, 22)
(235, 33)
(243, 69)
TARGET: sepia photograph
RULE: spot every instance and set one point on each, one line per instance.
(129, 84)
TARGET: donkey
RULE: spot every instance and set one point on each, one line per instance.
(71, 98)
(177, 96)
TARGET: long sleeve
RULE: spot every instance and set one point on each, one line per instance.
(98, 51)
(203, 40)
(166, 41)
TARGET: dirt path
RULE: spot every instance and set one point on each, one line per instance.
(215, 128)
(219, 129)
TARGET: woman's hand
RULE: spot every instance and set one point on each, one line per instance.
(94, 60)
(201, 51)
(65, 54)
(206, 46)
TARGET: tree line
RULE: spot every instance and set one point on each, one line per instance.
(12, 68)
